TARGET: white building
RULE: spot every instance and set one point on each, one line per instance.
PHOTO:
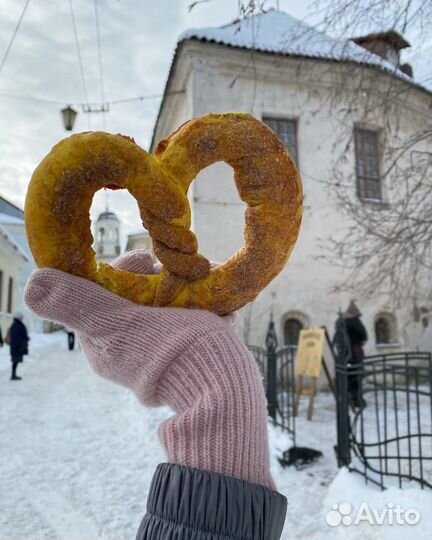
(107, 237)
(12, 261)
(139, 240)
(283, 72)
(16, 264)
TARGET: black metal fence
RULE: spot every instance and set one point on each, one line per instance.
(390, 436)
(277, 367)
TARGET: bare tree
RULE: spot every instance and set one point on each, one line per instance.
(245, 8)
(343, 16)
(387, 246)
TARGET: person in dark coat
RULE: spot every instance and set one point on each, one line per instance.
(18, 342)
(357, 335)
(71, 338)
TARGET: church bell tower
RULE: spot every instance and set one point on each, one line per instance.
(107, 237)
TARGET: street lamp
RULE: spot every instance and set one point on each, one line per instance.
(69, 116)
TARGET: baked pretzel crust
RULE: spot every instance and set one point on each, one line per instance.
(62, 187)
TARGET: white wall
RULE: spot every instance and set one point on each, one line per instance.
(11, 264)
(16, 228)
(272, 88)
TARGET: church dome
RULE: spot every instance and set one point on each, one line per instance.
(107, 215)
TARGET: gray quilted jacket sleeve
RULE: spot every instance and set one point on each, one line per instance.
(194, 504)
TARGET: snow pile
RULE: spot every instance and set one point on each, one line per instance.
(364, 511)
(313, 493)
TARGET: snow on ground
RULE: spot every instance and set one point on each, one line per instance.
(37, 342)
(368, 505)
(78, 454)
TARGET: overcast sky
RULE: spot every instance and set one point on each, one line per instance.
(138, 38)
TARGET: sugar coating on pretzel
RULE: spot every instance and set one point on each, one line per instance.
(267, 181)
(62, 187)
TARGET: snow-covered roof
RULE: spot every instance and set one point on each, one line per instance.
(11, 241)
(279, 33)
(107, 215)
(6, 218)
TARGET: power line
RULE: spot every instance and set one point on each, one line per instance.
(101, 77)
(83, 105)
(141, 98)
(78, 51)
(18, 24)
(29, 98)
(99, 48)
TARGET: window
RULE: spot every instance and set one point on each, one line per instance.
(385, 329)
(1, 290)
(10, 295)
(292, 329)
(286, 130)
(367, 164)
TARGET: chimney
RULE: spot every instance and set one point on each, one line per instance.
(386, 45)
(407, 69)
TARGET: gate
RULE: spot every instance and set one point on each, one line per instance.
(390, 437)
(277, 368)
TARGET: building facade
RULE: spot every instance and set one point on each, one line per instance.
(12, 261)
(270, 65)
(20, 263)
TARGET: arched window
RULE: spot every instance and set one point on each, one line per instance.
(385, 329)
(101, 234)
(292, 329)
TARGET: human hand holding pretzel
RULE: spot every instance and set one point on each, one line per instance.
(188, 359)
(62, 187)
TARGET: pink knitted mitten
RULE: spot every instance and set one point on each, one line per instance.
(188, 359)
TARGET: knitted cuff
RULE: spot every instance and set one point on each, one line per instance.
(216, 391)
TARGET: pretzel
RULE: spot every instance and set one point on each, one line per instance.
(62, 187)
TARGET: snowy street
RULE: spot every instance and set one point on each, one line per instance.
(78, 455)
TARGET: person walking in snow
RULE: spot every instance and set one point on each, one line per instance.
(357, 335)
(17, 338)
(216, 482)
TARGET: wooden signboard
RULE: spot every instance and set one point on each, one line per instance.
(310, 352)
(308, 363)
